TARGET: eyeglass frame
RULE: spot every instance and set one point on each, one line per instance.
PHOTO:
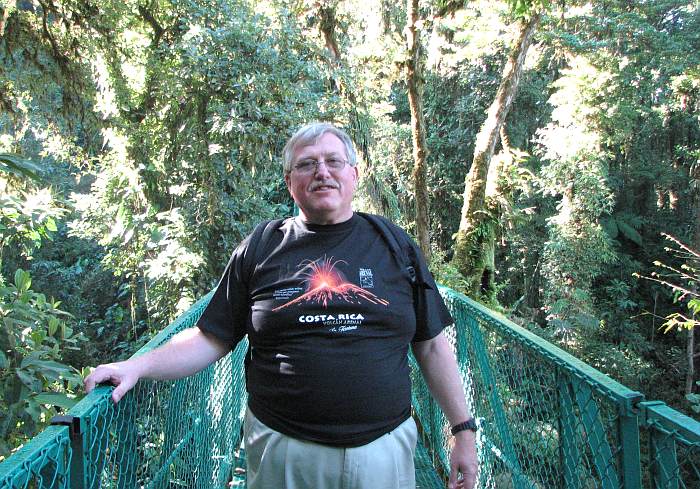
(310, 165)
(310, 134)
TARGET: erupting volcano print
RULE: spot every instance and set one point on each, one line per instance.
(324, 283)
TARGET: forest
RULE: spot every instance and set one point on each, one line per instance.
(544, 155)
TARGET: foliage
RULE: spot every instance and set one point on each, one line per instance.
(26, 219)
(525, 8)
(683, 281)
(694, 400)
(189, 128)
(159, 127)
(34, 335)
(33, 377)
(577, 250)
(19, 167)
(177, 191)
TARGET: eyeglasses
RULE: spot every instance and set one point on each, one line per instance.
(310, 166)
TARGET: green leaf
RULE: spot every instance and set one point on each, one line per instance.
(610, 226)
(53, 325)
(26, 379)
(18, 166)
(587, 321)
(47, 366)
(33, 409)
(51, 225)
(629, 232)
(22, 280)
(694, 306)
(3, 360)
(31, 357)
(17, 323)
(56, 399)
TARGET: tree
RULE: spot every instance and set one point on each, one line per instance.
(414, 81)
(476, 226)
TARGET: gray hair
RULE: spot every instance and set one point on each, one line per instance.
(310, 134)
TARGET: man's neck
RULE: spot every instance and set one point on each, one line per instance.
(325, 220)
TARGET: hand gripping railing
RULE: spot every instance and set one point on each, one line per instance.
(549, 420)
(546, 420)
(184, 433)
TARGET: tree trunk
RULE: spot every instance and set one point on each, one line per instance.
(327, 27)
(469, 257)
(359, 121)
(494, 192)
(4, 15)
(414, 80)
(690, 354)
(690, 343)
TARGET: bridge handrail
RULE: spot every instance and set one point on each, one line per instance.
(592, 431)
(627, 397)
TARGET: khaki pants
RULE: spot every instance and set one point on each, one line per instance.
(277, 461)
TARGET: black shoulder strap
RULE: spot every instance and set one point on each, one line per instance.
(259, 239)
(405, 254)
(398, 243)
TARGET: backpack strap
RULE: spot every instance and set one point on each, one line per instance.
(406, 255)
(398, 244)
(259, 239)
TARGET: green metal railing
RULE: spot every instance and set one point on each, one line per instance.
(547, 420)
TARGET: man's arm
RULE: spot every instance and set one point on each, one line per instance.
(437, 362)
(185, 354)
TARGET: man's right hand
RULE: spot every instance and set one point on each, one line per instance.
(185, 354)
(122, 375)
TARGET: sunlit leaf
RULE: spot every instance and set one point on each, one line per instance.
(51, 224)
(22, 280)
(19, 166)
(56, 399)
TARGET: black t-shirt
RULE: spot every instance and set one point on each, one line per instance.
(329, 316)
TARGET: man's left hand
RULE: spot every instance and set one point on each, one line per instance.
(464, 464)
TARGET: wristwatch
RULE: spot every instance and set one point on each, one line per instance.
(469, 424)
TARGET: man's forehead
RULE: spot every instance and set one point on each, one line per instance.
(326, 144)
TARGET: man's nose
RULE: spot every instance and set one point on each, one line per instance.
(321, 170)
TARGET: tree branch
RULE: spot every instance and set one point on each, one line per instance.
(150, 19)
(60, 57)
(4, 15)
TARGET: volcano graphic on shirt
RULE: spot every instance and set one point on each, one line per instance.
(325, 283)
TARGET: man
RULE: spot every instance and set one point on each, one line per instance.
(329, 315)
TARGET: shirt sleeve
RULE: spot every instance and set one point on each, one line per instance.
(432, 315)
(226, 315)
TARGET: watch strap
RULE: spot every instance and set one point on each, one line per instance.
(469, 424)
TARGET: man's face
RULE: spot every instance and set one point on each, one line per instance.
(323, 196)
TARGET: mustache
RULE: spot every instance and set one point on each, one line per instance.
(316, 185)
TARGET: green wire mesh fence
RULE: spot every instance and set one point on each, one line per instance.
(546, 420)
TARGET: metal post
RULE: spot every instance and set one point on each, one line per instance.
(76, 428)
(628, 425)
